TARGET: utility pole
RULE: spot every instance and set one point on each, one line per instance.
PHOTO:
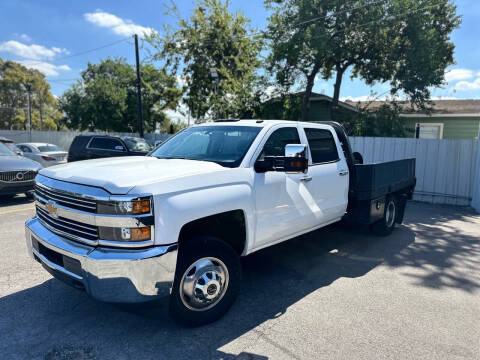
(29, 113)
(139, 89)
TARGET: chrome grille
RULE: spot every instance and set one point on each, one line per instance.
(68, 228)
(66, 199)
(17, 176)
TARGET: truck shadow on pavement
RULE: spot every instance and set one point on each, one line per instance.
(15, 200)
(57, 317)
(46, 319)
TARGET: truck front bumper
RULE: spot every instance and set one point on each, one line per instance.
(112, 275)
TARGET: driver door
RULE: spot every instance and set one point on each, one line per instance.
(282, 209)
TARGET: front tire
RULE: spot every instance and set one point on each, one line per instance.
(386, 225)
(206, 281)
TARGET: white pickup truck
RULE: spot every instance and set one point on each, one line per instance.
(177, 221)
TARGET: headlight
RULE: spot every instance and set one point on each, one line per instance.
(131, 207)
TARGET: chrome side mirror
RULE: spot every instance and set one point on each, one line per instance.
(296, 150)
(296, 158)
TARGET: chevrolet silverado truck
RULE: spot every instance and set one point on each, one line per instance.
(177, 221)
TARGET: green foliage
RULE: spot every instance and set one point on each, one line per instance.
(281, 107)
(404, 42)
(213, 38)
(106, 97)
(385, 121)
(14, 78)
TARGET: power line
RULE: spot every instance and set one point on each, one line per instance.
(391, 17)
(77, 54)
(338, 12)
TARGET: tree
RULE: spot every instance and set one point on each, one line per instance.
(212, 38)
(404, 42)
(106, 97)
(14, 78)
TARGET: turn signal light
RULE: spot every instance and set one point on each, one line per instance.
(141, 207)
(139, 234)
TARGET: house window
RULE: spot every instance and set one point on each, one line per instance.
(429, 130)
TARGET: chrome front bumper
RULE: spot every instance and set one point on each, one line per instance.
(112, 275)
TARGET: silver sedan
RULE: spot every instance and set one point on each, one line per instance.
(45, 154)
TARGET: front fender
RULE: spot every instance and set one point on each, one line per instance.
(173, 211)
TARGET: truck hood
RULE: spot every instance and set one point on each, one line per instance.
(119, 175)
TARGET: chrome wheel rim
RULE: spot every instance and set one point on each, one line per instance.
(390, 214)
(204, 284)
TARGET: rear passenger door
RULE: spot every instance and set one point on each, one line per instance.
(329, 174)
(100, 147)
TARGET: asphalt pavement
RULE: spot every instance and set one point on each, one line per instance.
(335, 293)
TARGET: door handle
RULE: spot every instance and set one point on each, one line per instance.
(306, 178)
(343, 172)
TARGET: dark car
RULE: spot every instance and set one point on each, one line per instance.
(17, 174)
(86, 147)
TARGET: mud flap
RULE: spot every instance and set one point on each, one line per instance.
(402, 203)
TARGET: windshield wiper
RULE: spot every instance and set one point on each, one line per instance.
(173, 157)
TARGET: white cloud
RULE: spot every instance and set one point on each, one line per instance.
(363, 98)
(32, 52)
(467, 86)
(181, 80)
(25, 37)
(458, 74)
(445, 98)
(45, 67)
(176, 116)
(60, 51)
(118, 25)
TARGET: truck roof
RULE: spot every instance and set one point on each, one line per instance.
(252, 122)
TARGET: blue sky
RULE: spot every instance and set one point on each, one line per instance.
(43, 34)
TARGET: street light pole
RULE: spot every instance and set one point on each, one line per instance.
(139, 89)
(29, 113)
(214, 75)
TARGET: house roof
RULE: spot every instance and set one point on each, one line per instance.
(322, 97)
(440, 108)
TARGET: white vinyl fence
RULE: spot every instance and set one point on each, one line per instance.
(446, 170)
(65, 138)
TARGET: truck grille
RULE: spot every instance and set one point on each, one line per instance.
(69, 200)
(67, 227)
(17, 176)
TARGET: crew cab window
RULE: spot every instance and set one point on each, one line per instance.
(275, 145)
(322, 145)
(106, 144)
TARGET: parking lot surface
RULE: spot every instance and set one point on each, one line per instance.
(334, 293)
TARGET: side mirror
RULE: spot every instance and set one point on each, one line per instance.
(296, 158)
(357, 158)
(119, 147)
(296, 150)
(294, 161)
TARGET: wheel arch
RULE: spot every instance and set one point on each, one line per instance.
(229, 226)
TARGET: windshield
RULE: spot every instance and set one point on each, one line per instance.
(5, 151)
(11, 146)
(137, 144)
(224, 145)
(49, 147)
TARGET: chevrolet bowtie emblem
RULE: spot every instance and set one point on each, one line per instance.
(51, 207)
